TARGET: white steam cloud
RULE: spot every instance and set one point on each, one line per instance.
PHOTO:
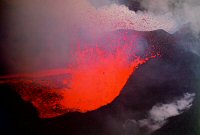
(158, 115)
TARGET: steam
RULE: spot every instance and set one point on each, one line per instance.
(159, 114)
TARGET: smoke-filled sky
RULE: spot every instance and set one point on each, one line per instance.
(44, 28)
(45, 25)
(41, 36)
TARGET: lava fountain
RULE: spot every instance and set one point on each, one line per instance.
(99, 72)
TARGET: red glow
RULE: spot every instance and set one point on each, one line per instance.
(96, 79)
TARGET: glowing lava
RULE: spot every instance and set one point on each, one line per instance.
(101, 69)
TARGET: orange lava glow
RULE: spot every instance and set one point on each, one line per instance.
(96, 79)
(99, 81)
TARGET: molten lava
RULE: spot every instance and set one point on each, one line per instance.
(102, 68)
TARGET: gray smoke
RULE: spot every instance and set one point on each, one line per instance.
(42, 34)
(183, 11)
(100, 3)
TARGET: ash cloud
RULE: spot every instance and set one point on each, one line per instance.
(183, 11)
(43, 34)
(39, 32)
(185, 14)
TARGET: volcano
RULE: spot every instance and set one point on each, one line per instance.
(102, 67)
(157, 80)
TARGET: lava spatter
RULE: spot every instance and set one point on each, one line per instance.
(101, 69)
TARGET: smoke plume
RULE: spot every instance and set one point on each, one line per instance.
(159, 114)
(183, 11)
(46, 31)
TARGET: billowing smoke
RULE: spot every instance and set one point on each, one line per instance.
(183, 11)
(45, 31)
(42, 34)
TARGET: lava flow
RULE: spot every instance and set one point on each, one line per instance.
(101, 69)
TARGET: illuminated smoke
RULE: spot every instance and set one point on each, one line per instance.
(95, 79)
(45, 30)
(47, 35)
